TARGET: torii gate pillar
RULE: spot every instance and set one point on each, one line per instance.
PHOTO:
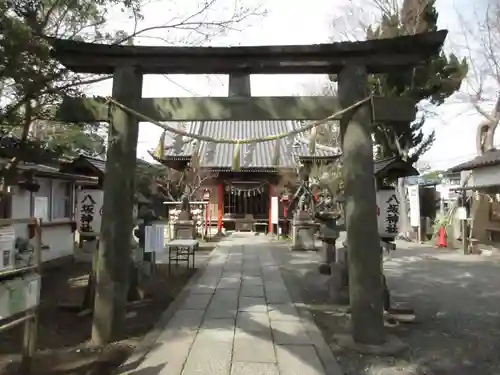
(365, 283)
(113, 265)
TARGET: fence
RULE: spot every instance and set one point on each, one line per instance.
(20, 289)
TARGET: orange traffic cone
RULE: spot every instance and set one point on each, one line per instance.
(441, 240)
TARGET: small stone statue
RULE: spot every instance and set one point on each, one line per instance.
(302, 203)
(185, 201)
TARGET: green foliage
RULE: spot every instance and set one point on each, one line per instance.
(31, 80)
(147, 176)
(433, 176)
(432, 82)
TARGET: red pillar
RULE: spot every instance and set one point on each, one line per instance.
(285, 215)
(270, 223)
(206, 219)
(220, 207)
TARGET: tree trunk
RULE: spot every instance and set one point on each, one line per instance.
(114, 246)
(486, 130)
(365, 257)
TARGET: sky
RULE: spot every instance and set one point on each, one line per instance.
(299, 22)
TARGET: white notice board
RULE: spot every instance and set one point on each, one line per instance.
(41, 208)
(154, 238)
(414, 198)
(274, 210)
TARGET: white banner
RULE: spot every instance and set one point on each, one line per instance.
(154, 238)
(387, 213)
(274, 210)
(89, 210)
(414, 198)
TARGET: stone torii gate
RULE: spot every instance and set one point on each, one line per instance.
(351, 62)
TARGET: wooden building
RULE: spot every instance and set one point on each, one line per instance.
(246, 193)
(263, 173)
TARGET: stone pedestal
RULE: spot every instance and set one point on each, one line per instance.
(338, 283)
(328, 236)
(303, 228)
(338, 289)
(184, 227)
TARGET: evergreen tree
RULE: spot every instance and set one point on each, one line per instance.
(433, 82)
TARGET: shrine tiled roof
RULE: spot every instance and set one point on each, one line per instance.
(253, 156)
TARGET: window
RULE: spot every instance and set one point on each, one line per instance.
(61, 199)
(53, 199)
(229, 206)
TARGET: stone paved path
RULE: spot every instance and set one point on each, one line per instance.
(237, 319)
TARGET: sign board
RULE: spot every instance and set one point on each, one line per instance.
(7, 245)
(19, 294)
(41, 208)
(274, 210)
(461, 213)
(154, 238)
(89, 210)
(414, 198)
(32, 291)
(387, 213)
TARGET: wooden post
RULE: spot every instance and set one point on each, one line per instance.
(270, 210)
(465, 242)
(220, 207)
(31, 324)
(365, 273)
(117, 222)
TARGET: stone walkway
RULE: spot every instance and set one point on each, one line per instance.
(237, 319)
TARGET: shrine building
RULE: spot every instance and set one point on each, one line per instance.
(241, 194)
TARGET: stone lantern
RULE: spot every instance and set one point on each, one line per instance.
(328, 234)
(303, 225)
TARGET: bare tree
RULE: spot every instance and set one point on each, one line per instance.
(31, 80)
(481, 37)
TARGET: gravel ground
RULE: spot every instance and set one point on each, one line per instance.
(457, 303)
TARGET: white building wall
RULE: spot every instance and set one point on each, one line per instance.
(482, 177)
(57, 232)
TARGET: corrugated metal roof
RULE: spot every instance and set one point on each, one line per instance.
(488, 159)
(259, 155)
